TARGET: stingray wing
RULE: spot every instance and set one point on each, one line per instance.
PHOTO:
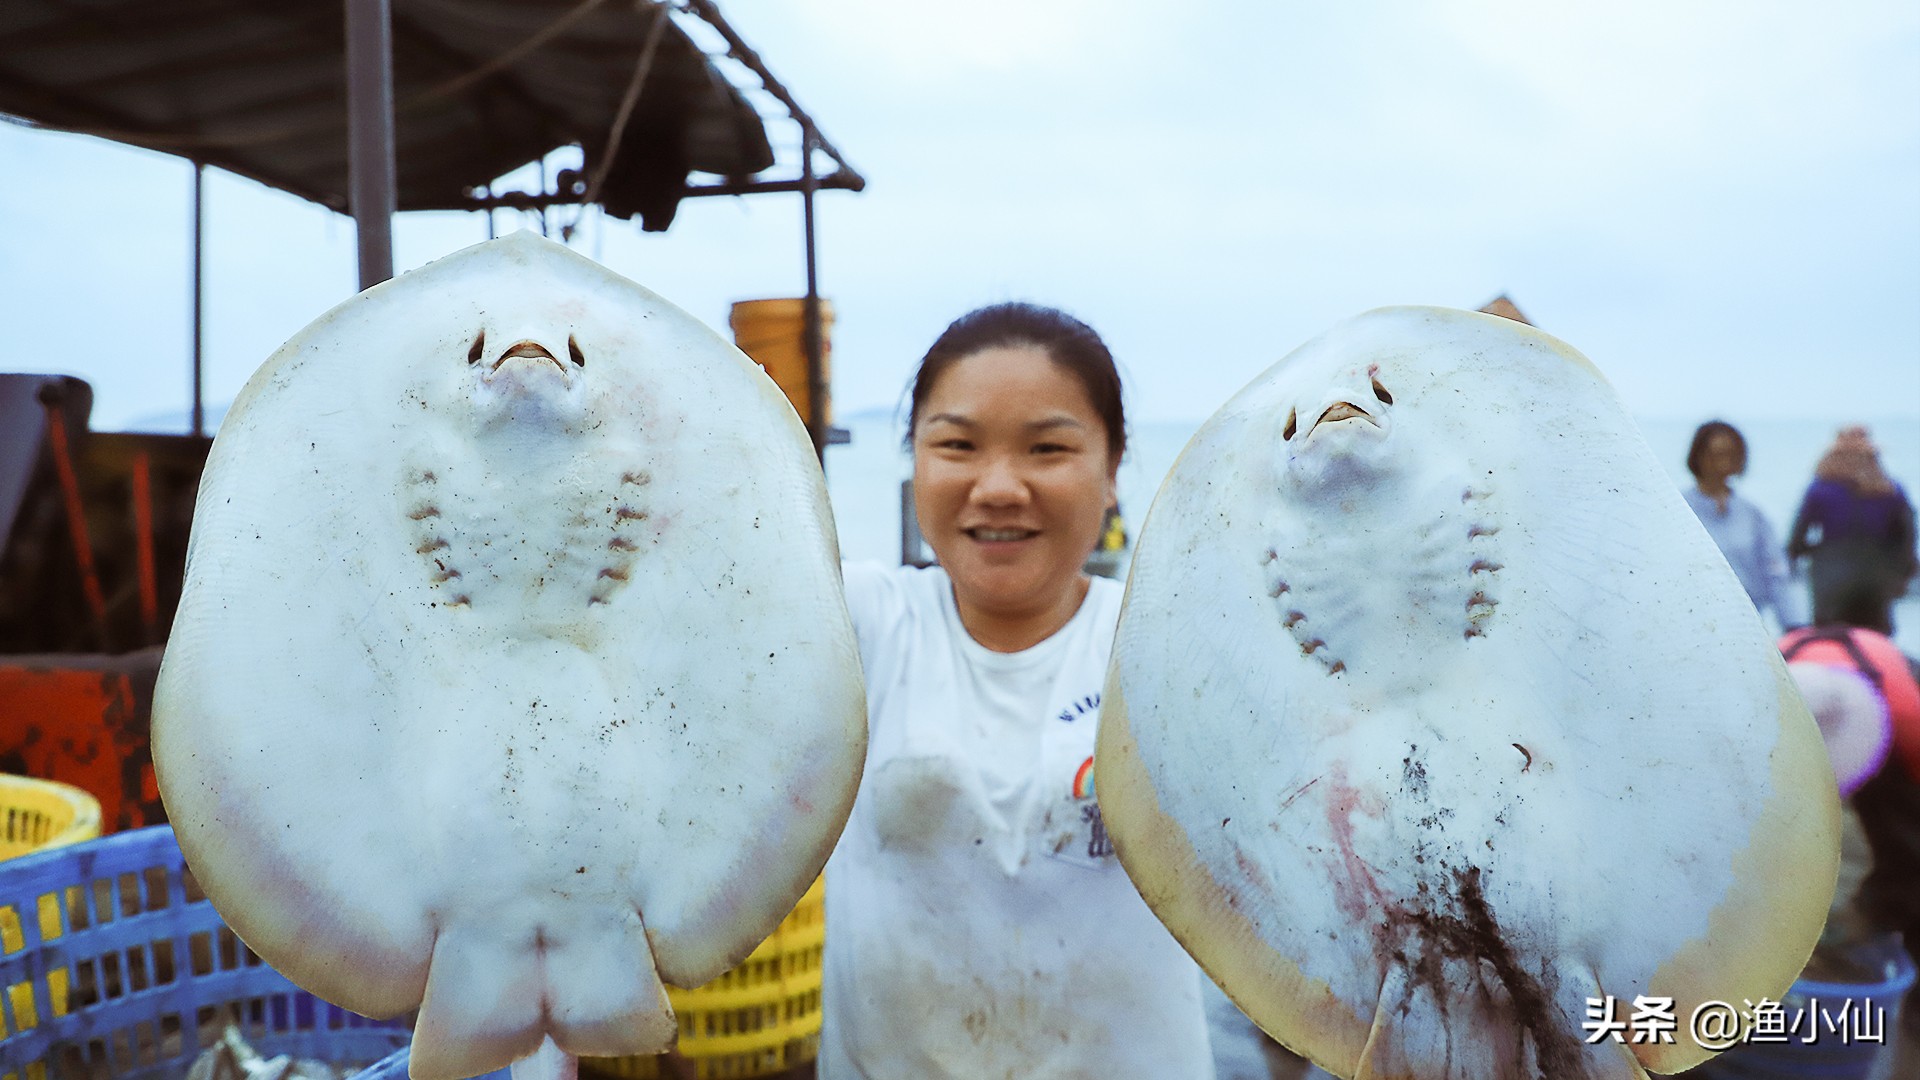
(1214, 617)
(1404, 756)
(504, 712)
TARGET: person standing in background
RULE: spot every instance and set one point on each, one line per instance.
(1856, 529)
(1742, 532)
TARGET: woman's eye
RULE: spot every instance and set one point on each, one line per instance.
(1050, 448)
(953, 444)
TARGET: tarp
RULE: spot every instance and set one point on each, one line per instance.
(481, 87)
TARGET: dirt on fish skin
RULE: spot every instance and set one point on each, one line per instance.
(1446, 938)
(1444, 932)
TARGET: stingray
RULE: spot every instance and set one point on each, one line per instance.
(512, 673)
(1435, 720)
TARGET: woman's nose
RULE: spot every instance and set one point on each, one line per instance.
(1000, 482)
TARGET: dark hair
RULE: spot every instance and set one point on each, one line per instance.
(1067, 341)
(1706, 432)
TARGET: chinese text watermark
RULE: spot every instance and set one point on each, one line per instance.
(1717, 1025)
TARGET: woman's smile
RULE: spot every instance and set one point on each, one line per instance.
(1000, 536)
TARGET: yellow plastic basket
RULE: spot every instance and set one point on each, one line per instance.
(759, 1019)
(43, 814)
(40, 814)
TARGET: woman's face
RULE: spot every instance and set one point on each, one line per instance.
(1011, 482)
(1719, 459)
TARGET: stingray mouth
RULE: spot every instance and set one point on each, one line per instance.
(530, 350)
(1343, 410)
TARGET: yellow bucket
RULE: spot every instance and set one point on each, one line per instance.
(40, 814)
(759, 1019)
(774, 334)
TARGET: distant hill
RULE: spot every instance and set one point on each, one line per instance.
(176, 422)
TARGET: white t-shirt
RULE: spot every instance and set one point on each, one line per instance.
(978, 924)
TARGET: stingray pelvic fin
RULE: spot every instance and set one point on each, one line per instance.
(1462, 1031)
(493, 999)
(483, 1007)
(604, 997)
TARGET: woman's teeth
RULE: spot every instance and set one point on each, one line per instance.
(991, 535)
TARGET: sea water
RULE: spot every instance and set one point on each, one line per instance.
(864, 477)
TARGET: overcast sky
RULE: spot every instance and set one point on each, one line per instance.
(1719, 203)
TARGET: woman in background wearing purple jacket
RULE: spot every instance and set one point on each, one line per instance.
(1856, 528)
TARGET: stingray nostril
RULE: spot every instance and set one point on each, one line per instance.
(1381, 393)
(1293, 424)
(478, 349)
(573, 351)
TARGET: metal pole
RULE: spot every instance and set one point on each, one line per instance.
(370, 182)
(199, 302)
(739, 50)
(543, 191)
(816, 352)
(909, 528)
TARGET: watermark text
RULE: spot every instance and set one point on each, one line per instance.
(1717, 1025)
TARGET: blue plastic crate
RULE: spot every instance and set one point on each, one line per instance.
(147, 968)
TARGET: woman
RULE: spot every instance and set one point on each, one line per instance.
(979, 924)
(1856, 527)
(1717, 455)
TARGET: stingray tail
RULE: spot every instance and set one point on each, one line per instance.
(492, 999)
(548, 1062)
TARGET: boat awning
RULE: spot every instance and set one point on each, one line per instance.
(480, 88)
